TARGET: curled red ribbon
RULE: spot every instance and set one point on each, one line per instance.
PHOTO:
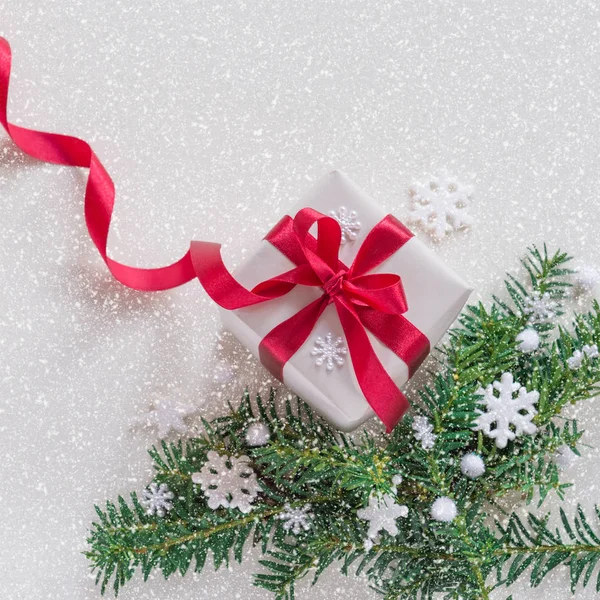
(363, 300)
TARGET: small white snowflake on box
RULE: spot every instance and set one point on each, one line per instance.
(296, 520)
(441, 205)
(424, 432)
(382, 513)
(539, 307)
(576, 360)
(329, 351)
(506, 416)
(157, 499)
(228, 481)
(349, 223)
(166, 416)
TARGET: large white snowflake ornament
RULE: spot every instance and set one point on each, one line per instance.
(441, 205)
(349, 223)
(296, 519)
(506, 416)
(540, 307)
(166, 416)
(329, 351)
(157, 499)
(228, 481)
(382, 513)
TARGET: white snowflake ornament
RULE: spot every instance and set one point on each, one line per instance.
(349, 223)
(166, 416)
(228, 481)
(424, 432)
(441, 205)
(540, 308)
(157, 499)
(382, 513)
(329, 351)
(529, 340)
(576, 360)
(564, 457)
(506, 416)
(296, 519)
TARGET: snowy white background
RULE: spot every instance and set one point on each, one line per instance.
(212, 119)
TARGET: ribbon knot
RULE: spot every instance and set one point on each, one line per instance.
(333, 286)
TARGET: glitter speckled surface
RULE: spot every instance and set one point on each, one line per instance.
(212, 119)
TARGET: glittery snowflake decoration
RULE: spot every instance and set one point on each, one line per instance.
(506, 416)
(228, 481)
(540, 307)
(329, 351)
(424, 432)
(166, 416)
(157, 499)
(382, 513)
(441, 205)
(296, 520)
(576, 360)
(349, 223)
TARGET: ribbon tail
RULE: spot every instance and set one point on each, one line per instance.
(397, 333)
(284, 340)
(380, 391)
(99, 192)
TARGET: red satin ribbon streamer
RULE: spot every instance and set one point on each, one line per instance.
(363, 300)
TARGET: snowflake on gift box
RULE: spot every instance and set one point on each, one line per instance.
(157, 499)
(576, 360)
(540, 307)
(329, 351)
(228, 481)
(506, 416)
(349, 223)
(296, 519)
(382, 513)
(424, 432)
(441, 205)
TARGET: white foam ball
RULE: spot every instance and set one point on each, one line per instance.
(586, 278)
(444, 510)
(529, 340)
(472, 465)
(258, 434)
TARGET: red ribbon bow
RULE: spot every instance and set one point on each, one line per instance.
(363, 301)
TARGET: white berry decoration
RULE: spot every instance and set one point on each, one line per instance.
(296, 519)
(529, 340)
(258, 434)
(227, 481)
(349, 223)
(329, 351)
(540, 307)
(444, 510)
(424, 432)
(506, 416)
(586, 278)
(157, 499)
(382, 513)
(441, 205)
(472, 465)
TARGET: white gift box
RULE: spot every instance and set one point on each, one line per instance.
(435, 296)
